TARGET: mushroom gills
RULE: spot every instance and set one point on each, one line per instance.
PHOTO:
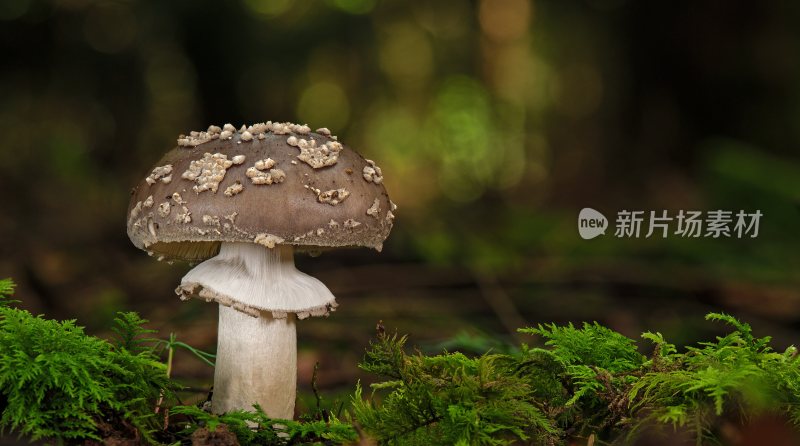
(252, 278)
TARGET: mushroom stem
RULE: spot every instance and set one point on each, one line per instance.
(256, 363)
(261, 294)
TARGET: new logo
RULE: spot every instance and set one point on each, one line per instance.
(591, 223)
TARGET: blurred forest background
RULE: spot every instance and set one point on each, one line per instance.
(494, 121)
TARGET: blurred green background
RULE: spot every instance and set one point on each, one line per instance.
(494, 121)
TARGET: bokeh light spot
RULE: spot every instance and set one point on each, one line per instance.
(406, 55)
(324, 104)
(504, 20)
(392, 136)
(67, 151)
(460, 129)
(171, 80)
(110, 27)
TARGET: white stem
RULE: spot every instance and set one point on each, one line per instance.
(261, 294)
(256, 363)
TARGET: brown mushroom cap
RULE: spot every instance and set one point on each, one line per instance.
(176, 214)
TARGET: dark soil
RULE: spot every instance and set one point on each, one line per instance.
(220, 437)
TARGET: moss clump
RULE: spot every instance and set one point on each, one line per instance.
(583, 385)
(58, 382)
(587, 384)
(256, 428)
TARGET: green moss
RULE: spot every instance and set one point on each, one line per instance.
(585, 382)
(59, 384)
(256, 428)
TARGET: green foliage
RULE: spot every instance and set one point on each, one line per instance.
(591, 357)
(585, 382)
(6, 290)
(582, 383)
(57, 382)
(173, 343)
(449, 399)
(131, 334)
(592, 345)
(256, 428)
(738, 374)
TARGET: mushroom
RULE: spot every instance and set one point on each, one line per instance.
(244, 204)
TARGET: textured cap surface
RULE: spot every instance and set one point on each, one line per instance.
(270, 184)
